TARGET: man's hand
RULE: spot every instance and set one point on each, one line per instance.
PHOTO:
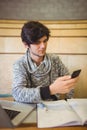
(62, 85)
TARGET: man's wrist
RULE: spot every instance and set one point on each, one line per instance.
(45, 93)
(51, 89)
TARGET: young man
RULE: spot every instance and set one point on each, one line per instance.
(39, 76)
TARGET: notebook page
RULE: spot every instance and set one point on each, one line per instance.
(58, 113)
(80, 106)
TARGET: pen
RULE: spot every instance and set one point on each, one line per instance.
(44, 106)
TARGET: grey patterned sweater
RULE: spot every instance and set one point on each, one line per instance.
(31, 82)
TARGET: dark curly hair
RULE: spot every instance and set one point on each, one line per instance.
(32, 31)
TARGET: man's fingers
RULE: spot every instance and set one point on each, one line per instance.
(63, 78)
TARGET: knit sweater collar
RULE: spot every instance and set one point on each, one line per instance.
(42, 69)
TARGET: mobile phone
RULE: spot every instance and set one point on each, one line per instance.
(75, 73)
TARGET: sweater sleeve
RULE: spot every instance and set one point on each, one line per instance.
(45, 94)
(21, 89)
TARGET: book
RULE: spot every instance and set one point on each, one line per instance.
(62, 113)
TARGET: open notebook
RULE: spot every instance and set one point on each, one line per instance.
(13, 113)
(62, 113)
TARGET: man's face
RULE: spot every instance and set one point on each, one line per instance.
(39, 48)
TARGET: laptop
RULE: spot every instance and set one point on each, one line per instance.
(14, 113)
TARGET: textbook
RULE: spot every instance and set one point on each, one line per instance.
(72, 112)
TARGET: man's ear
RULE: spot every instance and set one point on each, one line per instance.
(26, 45)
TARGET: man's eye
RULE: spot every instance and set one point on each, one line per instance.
(45, 41)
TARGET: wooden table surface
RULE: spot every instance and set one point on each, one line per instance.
(34, 126)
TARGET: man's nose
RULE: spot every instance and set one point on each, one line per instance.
(42, 44)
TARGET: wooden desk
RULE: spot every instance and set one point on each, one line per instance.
(34, 127)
